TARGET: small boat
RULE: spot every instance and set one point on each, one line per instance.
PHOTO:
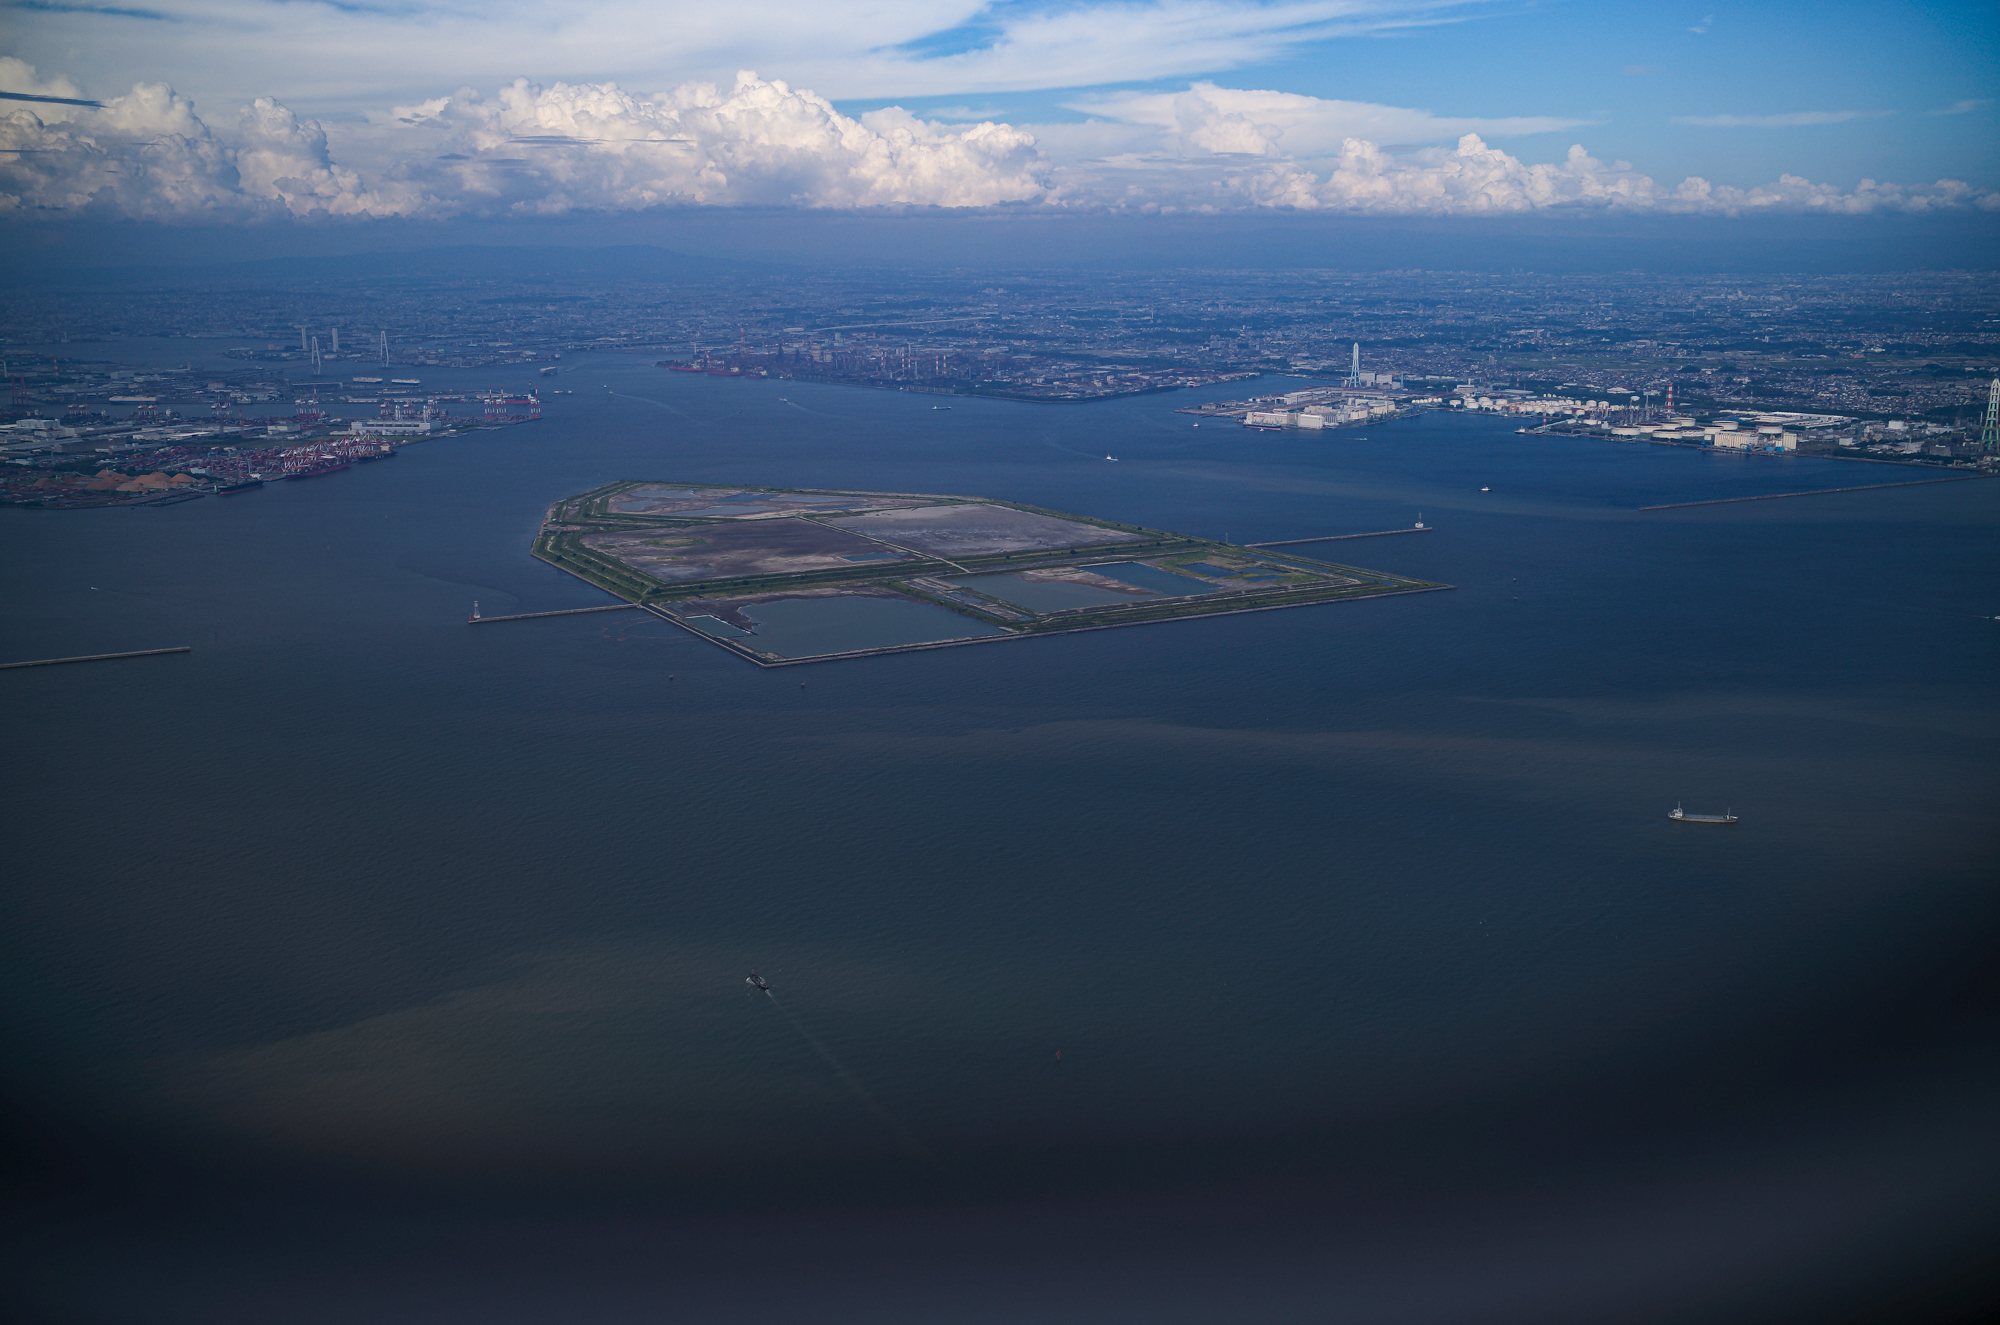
(1486, 489)
(1680, 816)
(1111, 457)
(756, 981)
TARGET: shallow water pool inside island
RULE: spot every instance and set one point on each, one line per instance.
(1043, 595)
(1039, 595)
(1142, 576)
(807, 627)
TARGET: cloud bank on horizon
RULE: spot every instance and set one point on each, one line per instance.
(322, 108)
(542, 151)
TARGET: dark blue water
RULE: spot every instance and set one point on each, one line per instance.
(357, 889)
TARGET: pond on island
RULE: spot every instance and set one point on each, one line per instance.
(1142, 576)
(807, 627)
(1039, 592)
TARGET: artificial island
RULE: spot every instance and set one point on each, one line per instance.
(789, 575)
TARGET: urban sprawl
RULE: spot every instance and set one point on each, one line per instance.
(328, 372)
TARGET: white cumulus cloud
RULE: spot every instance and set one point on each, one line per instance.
(17, 75)
(1211, 119)
(529, 149)
(1476, 179)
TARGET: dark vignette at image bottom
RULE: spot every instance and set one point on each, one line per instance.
(1828, 1155)
(1700, 1183)
(1660, 1191)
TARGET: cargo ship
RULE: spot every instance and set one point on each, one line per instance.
(241, 485)
(1680, 816)
(333, 468)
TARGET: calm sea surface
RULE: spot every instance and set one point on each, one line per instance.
(354, 887)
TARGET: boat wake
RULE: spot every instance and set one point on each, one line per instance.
(861, 1092)
(648, 400)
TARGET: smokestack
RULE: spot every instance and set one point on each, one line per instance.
(336, 343)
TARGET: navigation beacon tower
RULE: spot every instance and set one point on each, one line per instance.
(1989, 436)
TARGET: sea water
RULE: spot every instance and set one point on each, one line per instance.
(357, 885)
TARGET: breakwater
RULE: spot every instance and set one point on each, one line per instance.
(99, 657)
(477, 620)
(1816, 492)
(1335, 538)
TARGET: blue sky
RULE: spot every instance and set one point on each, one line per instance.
(1632, 71)
(1740, 96)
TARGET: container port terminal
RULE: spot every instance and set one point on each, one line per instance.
(196, 434)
